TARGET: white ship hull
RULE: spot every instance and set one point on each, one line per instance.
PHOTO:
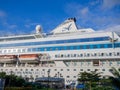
(66, 52)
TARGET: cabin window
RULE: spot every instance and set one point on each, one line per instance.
(118, 53)
(95, 62)
(5, 51)
(56, 56)
(81, 63)
(68, 55)
(23, 50)
(68, 47)
(88, 55)
(96, 69)
(118, 62)
(102, 46)
(103, 69)
(110, 54)
(9, 51)
(94, 46)
(110, 70)
(19, 50)
(74, 55)
(88, 69)
(45, 49)
(43, 69)
(68, 76)
(56, 48)
(62, 55)
(74, 70)
(0, 51)
(81, 69)
(74, 76)
(68, 69)
(36, 76)
(110, 63)
(88, 63)
(102, 54)
(61, 69)
(74, 47)
(95, 54)
(87, 46)
(81, 55)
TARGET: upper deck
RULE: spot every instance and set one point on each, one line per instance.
(65, 31)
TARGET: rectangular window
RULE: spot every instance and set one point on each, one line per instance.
(118, 53)
(74, 70)
(103, 69)
(68, 69)
(102, 46)
(61, 69)
(88, 69)
(110, 54)
(81, 69)
(95, 62)
(87, 46)
(94, 46)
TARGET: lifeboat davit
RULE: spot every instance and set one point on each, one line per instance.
(8, 58)
(29, 58)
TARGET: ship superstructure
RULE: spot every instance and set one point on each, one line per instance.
(65, 51)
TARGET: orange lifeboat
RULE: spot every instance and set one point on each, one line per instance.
(28, 57)
(7, 58)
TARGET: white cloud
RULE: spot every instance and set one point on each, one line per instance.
(93, 16)
(2, 14)
(77, 10)
(114, 29)
(12, 26)
(84, 11)
(28, 25)
(5, 33)
(94, 2)
(108, 4)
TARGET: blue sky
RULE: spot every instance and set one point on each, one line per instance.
(21, 16)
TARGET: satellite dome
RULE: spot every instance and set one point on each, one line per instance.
(38, 28)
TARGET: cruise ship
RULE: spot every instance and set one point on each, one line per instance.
(64, 52)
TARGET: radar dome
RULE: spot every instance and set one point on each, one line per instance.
(38, 29)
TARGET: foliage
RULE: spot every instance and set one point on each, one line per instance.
(93, 81)
(115, 78)
(103, 88)
(2, 74)
(18, 88)
(89, 76)
(12, 79)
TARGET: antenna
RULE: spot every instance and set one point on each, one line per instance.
(38, 29)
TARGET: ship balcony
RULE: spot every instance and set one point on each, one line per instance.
(28, 58)
(45, 58)
(7, 60)
(34, 59)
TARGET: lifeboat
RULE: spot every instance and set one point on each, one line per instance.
(29, 57)
(8, 58)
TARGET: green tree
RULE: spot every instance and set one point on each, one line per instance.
(116, 77)
(89, 76)
(12, 79)
(94, 81)
(2, 74)
(90, 79)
